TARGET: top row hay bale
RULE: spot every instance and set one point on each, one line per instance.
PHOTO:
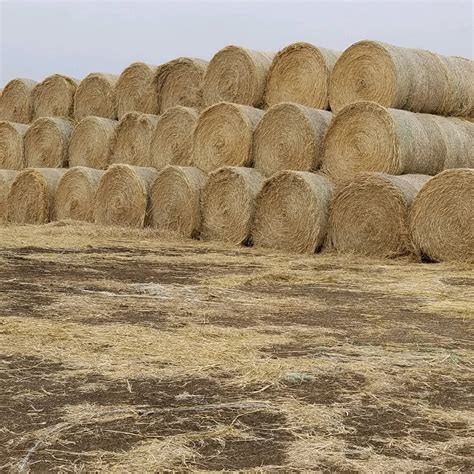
(16, 101)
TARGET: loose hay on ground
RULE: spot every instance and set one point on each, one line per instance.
(16, 101)
(12, 154)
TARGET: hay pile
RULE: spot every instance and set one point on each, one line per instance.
(442, 217)
(223, 136)
(16, 101)
(289, 137)
(300, 73)
(292, 212)
(6, 180)
(47, 142)
(175, 200)
(11, 145)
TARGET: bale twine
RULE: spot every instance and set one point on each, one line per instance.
(442, 217)
(236, 75)
(6, 180)
(74, 198)
(54, 97)
(16, 101)
(300, 73)
(47, 142)
(31, 197)
(12, 155)
(289, 137)
(134, 91)
(175, 200)
(95, 96)
(292, 212)
(369, 215)
(223, 136)
(122, 196)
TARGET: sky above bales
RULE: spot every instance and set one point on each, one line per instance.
(38, 38)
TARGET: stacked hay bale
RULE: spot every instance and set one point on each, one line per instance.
(16, 101)
(12, 156)
(6, 180)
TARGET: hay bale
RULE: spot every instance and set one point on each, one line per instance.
(135, 92)
(91, 142)
(175, 200)
(12, 155)
(236, 75)
(172, 140)
(368, 137)
(223, 136)
(47, 142)
(31, 196)
(289, 137)
(402, 78)
(74, 198)
(16, 101)
(6, 180)
(95, 96)
(300, 73)
(442, 217)
(369, 215)
(292, 212)
(122, 196)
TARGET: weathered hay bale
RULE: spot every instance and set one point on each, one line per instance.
(31, 196)
(442, 217)
(236, 75)
(135, 92)
(74, 198)
(16, 101)
(47, 142)
(403, 78)
(95, 96)
(289, 137)
(12, 155)
(292, 212)
(300, 73)
(172, 140)
(54, 97)
(6, 180)
(122, 196)
(91, 142)
(175, 200)
(223, 136)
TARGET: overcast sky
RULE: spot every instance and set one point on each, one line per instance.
(39, 38)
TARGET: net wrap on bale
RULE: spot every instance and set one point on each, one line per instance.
(12, 155)
(16, 101)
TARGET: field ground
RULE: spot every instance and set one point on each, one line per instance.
(122, 352)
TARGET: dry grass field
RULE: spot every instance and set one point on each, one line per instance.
(121, 352)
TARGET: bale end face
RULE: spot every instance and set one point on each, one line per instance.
(12, 155)
(6, 180)
(16, 101)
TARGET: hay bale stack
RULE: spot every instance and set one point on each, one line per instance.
(6, 180)
(403, 78)
(289, 137)
(74, 198)
(175, 200)
(47, 142)
(122, 196)
(16, 101)
(31, 196)
(95, 96)
(292, 212)
(236, 75)
(172, 140)
(442, 217)
(223, 136)
(12, 155)
(300, 73)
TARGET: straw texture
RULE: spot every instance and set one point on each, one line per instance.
(6, 180)
(12, 155)
(16, 101)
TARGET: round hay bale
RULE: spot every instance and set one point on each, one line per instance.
(175, 200)
(135, 92)
(31, 196)
(6, 180)
(47, 142)
(292, 212)
(122, 196)
(223, 136)
(236, 75)
(74, 198)
(172, 140)
(95, 96)
(442, 217)
(300, 73)
(16, 101)
(369, 215)
(12, 155)
(289, 137)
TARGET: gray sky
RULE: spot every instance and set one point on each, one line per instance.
(38, 38)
